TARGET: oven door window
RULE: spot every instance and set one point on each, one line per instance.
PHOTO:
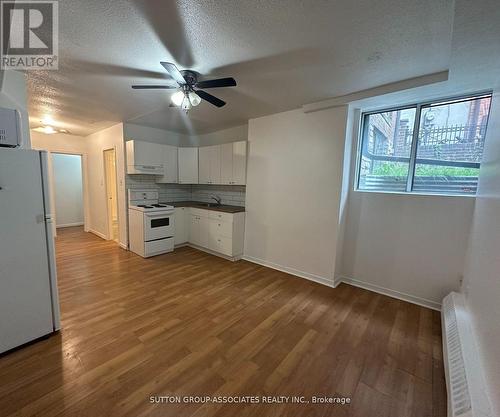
(160, 222)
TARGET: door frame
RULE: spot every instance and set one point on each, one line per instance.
(85, 190)
(109, 225)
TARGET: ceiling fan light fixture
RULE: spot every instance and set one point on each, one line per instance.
(194, 98)
(186, 96)
(186, 104)
(48, 130)
(177, 98)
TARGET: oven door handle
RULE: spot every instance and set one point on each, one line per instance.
(155, 216)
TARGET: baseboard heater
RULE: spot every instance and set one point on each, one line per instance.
(465, 381)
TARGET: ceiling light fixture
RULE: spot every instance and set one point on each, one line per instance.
(49, 130)
(177, 98)
(185, 99)
(48, 120)
(194, 98)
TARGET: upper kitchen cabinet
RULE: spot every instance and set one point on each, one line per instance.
(170, 165)
(210, 164)
(234, 163)
(188, 165)
(144, 157)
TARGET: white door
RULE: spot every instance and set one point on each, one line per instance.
(226, 163)
(25, 299)
(111, 193)
(188, 165)
(147, 153)
(194, 230)
(180, 235)
(158, 226)
(170, 165)
(240, 163)
(215, 168)
(204, 154)
(203, 232)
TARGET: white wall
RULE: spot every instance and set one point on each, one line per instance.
(68, 189)
(150, 134)
(482, 272)
(70, 144)
(293, 191)
(233, 134)
(409, 246)
(353, 118)
(58, 142)
(96, 143)
(13, 95)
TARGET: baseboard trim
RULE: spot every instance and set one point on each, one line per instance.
(292, 271)
(99, 234)
(390, 293)
(211, 252)
(69, 225)
(122, 245)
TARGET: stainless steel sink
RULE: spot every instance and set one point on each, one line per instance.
(209, 204)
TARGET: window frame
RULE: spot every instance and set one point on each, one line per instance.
(418, 106)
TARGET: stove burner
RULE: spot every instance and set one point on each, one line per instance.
(144, 206)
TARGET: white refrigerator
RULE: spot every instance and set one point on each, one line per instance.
(29, 303)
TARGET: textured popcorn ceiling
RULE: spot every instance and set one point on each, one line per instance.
(283, 53)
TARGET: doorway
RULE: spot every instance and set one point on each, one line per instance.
(68, 200)
(111, 193)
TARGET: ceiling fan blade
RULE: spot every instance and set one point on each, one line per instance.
(220, 82)
(210, 98)
(174, 72)
(153, 87)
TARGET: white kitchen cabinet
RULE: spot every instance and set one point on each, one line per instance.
(181, 224)
(219, 232)
(226, 163)
(170, 165)
(144, 157)
(210, 164)
(240, 163)
(234, 163)
(226, 233)
(204, 164)
(198, 229)
(188, 165)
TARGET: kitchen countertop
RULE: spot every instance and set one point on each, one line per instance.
(198, 204)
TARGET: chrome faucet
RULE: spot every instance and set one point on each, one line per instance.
(217, 198)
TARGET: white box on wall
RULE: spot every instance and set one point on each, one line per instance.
(10, 134)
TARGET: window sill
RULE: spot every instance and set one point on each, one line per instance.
(416, 194)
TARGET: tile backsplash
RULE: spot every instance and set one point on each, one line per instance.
(175, 192)
(233, 195)
(230, 194)
(141, 182)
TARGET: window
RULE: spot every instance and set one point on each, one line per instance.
(430, 148)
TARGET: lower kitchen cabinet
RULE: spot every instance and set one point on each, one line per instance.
(182, 221)
(198, 230)
(219, 232)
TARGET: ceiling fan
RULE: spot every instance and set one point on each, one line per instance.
(189, 94)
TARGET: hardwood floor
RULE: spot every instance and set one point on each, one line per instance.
(191, 324)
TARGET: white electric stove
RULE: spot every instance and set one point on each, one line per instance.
(151, 225)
